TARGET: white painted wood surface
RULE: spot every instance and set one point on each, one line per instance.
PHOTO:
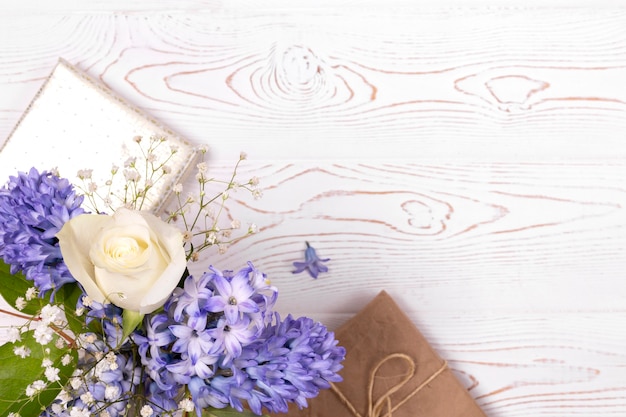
(469, 160)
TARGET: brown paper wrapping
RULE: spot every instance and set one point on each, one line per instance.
(382, 330)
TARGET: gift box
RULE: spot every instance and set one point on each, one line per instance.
(76, 122)
(390, 370)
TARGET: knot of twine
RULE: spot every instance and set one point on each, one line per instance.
(375, 408)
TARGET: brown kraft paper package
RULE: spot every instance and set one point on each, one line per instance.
(390, 370)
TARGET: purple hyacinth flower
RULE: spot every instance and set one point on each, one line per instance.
(233, 296)
(33, 208)
(194, 341)
(312, 263)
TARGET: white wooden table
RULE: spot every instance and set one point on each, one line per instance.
(471, 160)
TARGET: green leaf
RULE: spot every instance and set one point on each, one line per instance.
(17, 373)
(69, 295)
(15, 285)
(228, 412)
(130, 321)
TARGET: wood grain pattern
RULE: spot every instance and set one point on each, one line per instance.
(469, 160)
(494, 84)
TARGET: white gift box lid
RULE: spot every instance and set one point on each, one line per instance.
(75, 122)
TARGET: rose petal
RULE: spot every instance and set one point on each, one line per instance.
(75, 239)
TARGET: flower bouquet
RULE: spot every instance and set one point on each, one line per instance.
(114, 323)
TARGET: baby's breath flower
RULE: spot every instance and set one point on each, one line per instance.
(60, 343)
(166, 169)
(137, 139)
(31, 293)
(111, 392)
(35, 387)
(52, 374)
(131, 175)
(84, 174)
(243, 156)
(13, 335)
(112, 360)
(21, 351)
(79, 412)
(178, 188)
(204, 148)
(64, 397)
(87, 398)
(66, 359)
(186, 405)
(254, 181)
(235, 224)
(87, 301)
(46, 362)
(20, 303)
(146, 411)
(43, 334)
(50, 314)
(130, 162)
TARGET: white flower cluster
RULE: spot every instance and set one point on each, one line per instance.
(49, 322)
(201, 211)
(47, 326)
(139, 176)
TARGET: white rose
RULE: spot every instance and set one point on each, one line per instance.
(132, 259)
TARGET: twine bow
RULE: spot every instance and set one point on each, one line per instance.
(375, 409)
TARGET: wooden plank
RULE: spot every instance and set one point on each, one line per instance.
(474, 237)
(469, 160)
(458, 83)
(272, 6)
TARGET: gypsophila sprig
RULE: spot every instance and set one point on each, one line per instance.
(114, 324)
(139, 173)
(200, 213)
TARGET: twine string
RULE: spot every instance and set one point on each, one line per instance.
(375, 408)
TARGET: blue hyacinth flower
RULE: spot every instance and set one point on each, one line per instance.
(312, 263)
